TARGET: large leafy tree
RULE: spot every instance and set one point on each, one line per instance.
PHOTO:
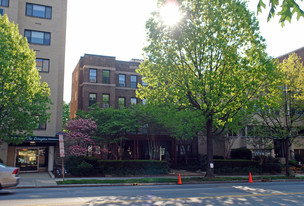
(113, 126)
(283, 120)
(213, 61)
(183, 125)
(150, 119)
(288, 9)
(23, 98)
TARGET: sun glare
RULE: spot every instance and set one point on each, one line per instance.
(170, 13)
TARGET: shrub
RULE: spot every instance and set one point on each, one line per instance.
(133, 167)
(241, 153)
(73, 161)
(195, 163)
(85, 169)
(294, 163)
(272, 168)
(233, 167)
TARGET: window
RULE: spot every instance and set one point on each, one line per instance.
(93, 75)
(92, 99)
(133, 81)
(105, 100)
(38, 37)
(4, 2)
(39, 11)
(42, 65)
(144, 83)
(144, 101)
(106, 76)
(133, 100)
(122, 80)
(40, 126)
(121, 102)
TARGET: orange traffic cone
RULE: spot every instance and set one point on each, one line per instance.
(250, 178)
(179, 180)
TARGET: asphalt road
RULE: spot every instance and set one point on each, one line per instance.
(262, 193)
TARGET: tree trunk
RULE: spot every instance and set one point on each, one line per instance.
(287, 157)
(210, 165)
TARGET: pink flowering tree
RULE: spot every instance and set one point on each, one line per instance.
(78, 137)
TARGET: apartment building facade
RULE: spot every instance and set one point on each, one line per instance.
(43, 23)
(103, 80)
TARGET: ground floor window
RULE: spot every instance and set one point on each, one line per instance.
(31, 159)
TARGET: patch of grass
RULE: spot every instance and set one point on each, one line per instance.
(170, 180)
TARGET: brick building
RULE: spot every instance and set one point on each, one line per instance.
(105, 80)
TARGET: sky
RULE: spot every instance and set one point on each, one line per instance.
(117, 28)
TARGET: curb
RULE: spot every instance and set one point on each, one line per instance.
(150, 184)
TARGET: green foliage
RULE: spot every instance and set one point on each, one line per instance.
(288, 9)
(23, 98)
(212, 61)
(88, 166)
(283, 119)
(112, 124)
(272, 168)
(236, 167)
(241, 153)
(195, 163)
(134, 167)
(182, 124)
(65, 113)
(85, 169)
(294, 163)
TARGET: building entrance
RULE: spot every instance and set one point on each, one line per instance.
(27, 159)
(31, 159)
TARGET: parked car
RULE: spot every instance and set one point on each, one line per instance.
(9, 176)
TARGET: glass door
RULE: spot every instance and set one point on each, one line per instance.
(27, 159)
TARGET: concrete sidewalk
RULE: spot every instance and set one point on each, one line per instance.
(44, 179)
(41, 179)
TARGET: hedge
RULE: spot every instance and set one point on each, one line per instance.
(90, 166)
(232, 167)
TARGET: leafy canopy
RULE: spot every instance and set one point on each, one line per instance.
(23, 98)
(288, 9)
(213, 61)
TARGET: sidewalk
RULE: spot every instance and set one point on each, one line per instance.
(41, 179)
(44, 179)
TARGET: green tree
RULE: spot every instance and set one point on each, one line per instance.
(113, 126)
(65, 113)
(23, 98)
(149, 119)
(182, 124)
(288, 9)
(213, 61)
(284, 119)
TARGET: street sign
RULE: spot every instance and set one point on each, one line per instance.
(61, 145)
